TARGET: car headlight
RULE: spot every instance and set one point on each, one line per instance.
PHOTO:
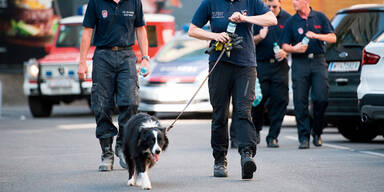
(31, 69)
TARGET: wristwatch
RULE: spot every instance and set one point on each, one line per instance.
(146, 57)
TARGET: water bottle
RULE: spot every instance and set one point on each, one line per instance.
(258, 94)
(143, 70)
(231, 27)
(305, 40)
(276, 48)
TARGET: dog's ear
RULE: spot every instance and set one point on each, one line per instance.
(166, 142)
(165, 138)
(163, 129)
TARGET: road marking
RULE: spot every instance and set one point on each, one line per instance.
(373, 153)
(77, 126)
(338, 147)
(291, 137)
(343, 148)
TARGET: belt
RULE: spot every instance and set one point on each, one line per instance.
(308, 56)
(270, 60)
(115, 48)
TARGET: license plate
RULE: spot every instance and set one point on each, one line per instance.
(344, 66)
(60, 83)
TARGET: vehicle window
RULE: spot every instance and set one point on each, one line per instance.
(186, 49)
(69, 36)
(152, 37)
(336, 20)
(355, 29)
(380, 38)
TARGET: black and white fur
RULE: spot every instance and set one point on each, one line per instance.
(144, 140)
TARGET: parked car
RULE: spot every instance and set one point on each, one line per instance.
(177, 71)
(355, 28)
(53, 79)
(370, 92)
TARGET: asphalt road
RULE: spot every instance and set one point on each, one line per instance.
(61, 153)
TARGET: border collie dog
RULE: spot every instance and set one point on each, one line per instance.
(144, 140)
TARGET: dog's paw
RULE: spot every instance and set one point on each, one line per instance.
(131, 182)
(147, 187)
(139, 182)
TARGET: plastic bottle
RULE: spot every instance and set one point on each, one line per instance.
(231, 27)
(305, 40)
(143, 70)
(276, 48)
(258, 94)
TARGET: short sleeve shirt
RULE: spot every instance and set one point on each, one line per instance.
(264, 49)
(297, 27)
(114, 23)
(217, 13)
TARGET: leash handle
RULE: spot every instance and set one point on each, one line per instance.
(201, 85)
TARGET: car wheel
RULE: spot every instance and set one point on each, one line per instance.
(358, 132)
(39, 107)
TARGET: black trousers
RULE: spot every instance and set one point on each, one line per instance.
(309, 74)
(114, 78)
(273, 77)
(226, 81)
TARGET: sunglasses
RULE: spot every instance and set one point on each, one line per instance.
(272, 6)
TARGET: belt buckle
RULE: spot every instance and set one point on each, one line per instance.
(115, 48)
(272, 61)
(311, 56)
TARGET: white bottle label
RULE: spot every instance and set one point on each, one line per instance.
(231, 27)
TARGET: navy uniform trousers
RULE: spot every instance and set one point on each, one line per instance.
(309, 74)
(273, 77)
(114, 79)
(228, 80)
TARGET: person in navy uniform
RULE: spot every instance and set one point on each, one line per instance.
(309, 68)
(114, 74)
(272, 71)
(233, 76)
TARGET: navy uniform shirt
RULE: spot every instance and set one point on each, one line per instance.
(218, 12)
(296, 27)
(264, 49)
(115, 23)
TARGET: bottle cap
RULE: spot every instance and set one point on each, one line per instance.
(143, 70)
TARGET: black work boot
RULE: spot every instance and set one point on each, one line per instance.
(107, 154)
(304, 144)
(248, 165)
(119, 151)
(126, 112)
(317, 140)
(272, 143)
(220, 169)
